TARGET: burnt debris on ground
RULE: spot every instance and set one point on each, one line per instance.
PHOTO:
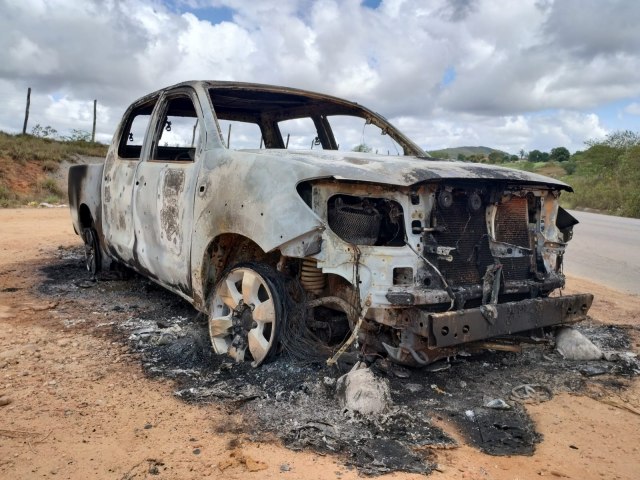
(483, 394)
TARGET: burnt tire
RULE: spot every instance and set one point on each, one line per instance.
(92, 252)
(246, 313)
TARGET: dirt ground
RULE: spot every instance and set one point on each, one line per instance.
(79, 405)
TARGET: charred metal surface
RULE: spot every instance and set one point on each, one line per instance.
(172, 188)
(84, 195)
(453, 328)
(404, 240)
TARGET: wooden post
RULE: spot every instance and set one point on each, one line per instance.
(26, 113)
(93, 131)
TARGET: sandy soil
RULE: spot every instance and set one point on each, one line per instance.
(80, 406)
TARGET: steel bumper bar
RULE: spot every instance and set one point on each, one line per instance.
(453, 328)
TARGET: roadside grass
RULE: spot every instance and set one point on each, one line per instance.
(23, 148)
(608, 179)
(27, 163)
(7, 197)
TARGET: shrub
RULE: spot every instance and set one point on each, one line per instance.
(49, 185)
(569, 167)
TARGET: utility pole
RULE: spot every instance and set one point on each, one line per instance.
(26, 113)
(93, 131)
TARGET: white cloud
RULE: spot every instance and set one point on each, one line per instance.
(633, 108)
(528, 74)
(511, 133)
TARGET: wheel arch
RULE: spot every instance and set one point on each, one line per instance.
(85, 217)
(224, 251)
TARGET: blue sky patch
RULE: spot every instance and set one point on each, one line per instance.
(449, 76)
(212, 15)
(613, 117)
(372, 4)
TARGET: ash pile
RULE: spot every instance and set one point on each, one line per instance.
(376, 416)
(391, 418)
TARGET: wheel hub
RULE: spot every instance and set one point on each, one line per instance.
(243, 318)
(241, 323)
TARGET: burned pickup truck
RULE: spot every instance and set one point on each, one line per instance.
(255, 201)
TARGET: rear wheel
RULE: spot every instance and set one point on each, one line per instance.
(246, 312)
(92, 255)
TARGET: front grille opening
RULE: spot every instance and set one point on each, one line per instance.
(462, 226)
(511, 223)
(466, 232)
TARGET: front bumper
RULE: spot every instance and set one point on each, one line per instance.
(453, 328)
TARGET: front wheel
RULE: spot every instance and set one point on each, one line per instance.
(246, 313)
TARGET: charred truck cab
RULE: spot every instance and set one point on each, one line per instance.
(402, 254)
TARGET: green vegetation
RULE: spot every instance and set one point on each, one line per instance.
(23, 148)
(27, 160)
(7, 197)
(362, 147)
(605, 177)
(559, 154)
(466, 153)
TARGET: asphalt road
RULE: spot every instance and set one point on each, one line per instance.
(605, 250)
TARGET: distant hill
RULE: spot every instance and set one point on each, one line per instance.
(466, 151)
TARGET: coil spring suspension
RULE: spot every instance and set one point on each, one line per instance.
(311, 277)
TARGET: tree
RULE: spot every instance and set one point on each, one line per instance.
(495, 157)
(560, 154)
(78, 136)
(535, 156)
(522, 154)
(514, 158)
(461, 157)
(544, 157)
(363, 147)
(619, 139)
(44, 132)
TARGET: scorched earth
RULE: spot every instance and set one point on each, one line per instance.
(115, 379)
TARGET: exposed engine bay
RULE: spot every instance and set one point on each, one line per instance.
(424, 255)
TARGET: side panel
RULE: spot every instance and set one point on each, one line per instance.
(84, 189)
(163, 219)
(126, 150)
(117, 194)
(249, 195)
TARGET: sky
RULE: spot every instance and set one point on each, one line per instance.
(530, 74)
